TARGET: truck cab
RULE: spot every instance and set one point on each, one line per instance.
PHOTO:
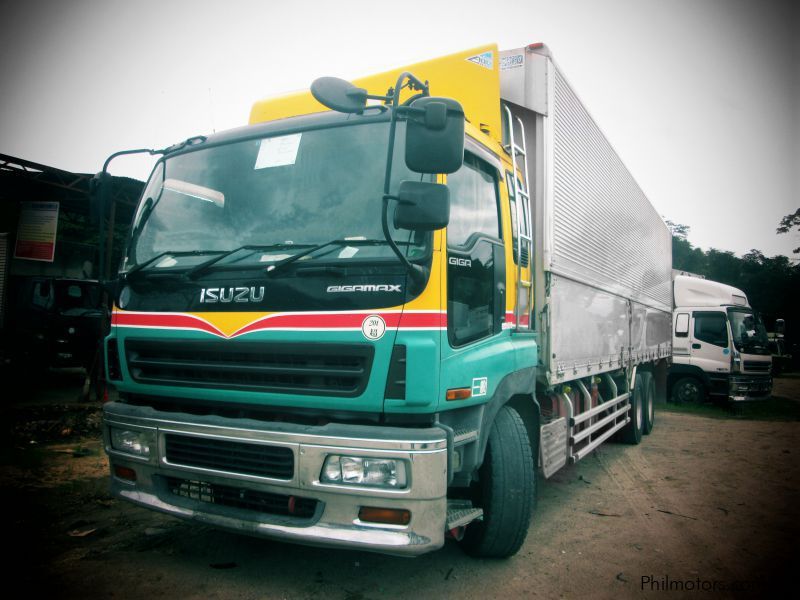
(720, 346)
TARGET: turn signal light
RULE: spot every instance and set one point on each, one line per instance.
(459, 394)
(125, 473)
(392, 516)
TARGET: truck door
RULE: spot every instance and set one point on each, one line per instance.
(475, 255)
(710, 343)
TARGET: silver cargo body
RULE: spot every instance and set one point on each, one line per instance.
(602, 254)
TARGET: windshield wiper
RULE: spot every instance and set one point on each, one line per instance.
(141, 266)
(195, 271)
(272, 269)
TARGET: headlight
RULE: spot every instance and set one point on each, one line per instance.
(137, 443)
(359, 470)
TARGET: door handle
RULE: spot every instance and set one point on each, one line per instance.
(696, 346)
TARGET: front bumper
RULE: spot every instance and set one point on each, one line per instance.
(335, 520)
(745, 388)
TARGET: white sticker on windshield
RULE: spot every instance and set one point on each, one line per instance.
(278, 151)
(348, 252)
(273, 257)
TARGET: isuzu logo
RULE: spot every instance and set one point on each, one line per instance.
(231, 294)
(334, 289)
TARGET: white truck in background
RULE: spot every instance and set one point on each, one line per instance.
(719, 344)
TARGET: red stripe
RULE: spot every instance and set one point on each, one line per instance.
(163, 321)
(282, 321)
(413, 320)
(323, 321)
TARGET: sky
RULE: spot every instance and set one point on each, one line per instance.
(700, 98)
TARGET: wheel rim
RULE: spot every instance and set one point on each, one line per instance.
(651, 409)
(689, 392)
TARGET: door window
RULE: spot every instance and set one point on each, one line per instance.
(472, 238)
(711, 327)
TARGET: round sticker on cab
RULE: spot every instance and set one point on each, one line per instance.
(373, 327)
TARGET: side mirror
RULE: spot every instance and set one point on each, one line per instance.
(780, 326)
(435, 135)
(422, 206)
(339, 95)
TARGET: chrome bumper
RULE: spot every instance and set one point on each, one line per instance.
(749, 387)
(335, 521)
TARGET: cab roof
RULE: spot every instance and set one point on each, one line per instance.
(472, 77)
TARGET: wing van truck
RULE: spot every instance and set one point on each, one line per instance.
(370, 318)
(720, 345)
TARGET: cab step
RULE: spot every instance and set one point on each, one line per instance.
(459, 515)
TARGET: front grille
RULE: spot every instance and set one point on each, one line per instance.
(756, 365)
(234, 457)
(243, 498)
(323, 369)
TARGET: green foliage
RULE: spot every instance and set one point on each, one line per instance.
(788, 223)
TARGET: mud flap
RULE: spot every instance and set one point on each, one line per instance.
(553, 446)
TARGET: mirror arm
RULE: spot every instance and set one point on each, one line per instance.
(417, 273)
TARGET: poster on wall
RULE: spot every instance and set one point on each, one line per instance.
(36, 234)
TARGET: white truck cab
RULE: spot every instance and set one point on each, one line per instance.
(719, 344)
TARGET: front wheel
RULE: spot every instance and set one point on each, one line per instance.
(688, 390)
(505, 490)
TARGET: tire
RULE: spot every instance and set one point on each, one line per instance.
(632, 432)
(688, 390)
(649, 403)
(506, 490)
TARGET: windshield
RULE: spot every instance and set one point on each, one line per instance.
(749, 333)
(274, 193)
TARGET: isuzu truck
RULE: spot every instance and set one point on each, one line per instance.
(720, 345)
(372, 316)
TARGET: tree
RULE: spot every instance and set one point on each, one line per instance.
(788, 223)
(685, 257)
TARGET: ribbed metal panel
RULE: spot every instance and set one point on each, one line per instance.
(605, 231)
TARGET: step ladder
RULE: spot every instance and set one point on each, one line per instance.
(522, 201)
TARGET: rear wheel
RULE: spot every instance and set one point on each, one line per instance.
(649, 402)
(632, 432)
(688, 390)
(505, 490)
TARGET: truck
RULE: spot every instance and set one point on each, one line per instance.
(52, 322)
(720, 346)
(370, 318)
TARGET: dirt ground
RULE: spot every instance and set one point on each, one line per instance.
(707, 504)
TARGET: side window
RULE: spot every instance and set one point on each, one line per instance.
(711, 327)
(682, 325)
(473, 202)
(472, 270)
